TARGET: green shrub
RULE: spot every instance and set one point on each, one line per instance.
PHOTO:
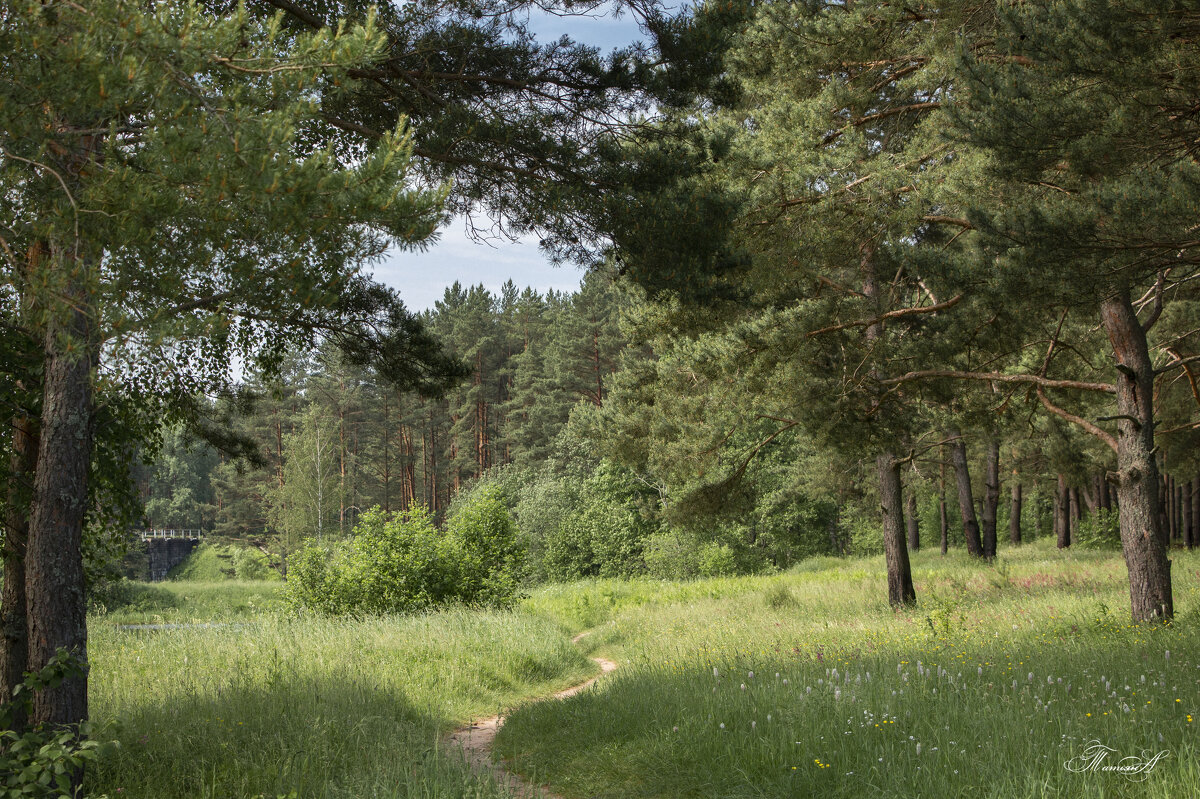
(397, 563)
(491, 554)
(606, 534)
(671, 555)
(42, 762)
(1100, 530)
(717, 559)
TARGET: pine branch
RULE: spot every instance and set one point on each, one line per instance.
(1079, 420)
(889, 315)
(998, 377)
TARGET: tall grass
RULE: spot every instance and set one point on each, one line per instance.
(806, 684)
(312, 707)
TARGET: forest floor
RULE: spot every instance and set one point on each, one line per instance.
(797, 684)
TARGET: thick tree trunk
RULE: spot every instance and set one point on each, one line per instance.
(899, 574)
(1137, 486)
(54, 557)
(1185, 513)
(966, 502)
(1172, 531)
(942, 517)
(1073, 493)
(914, 523)
(991, 498)
(1062, 513)
(14, 631)
(1014, 515)
(1191, 543)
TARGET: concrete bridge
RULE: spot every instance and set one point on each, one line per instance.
(166, 549)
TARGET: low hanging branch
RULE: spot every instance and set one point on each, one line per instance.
(1103, 435)
(891, 112)
(941, 306)
(998, 377)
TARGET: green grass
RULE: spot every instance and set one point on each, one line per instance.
(952, 675)
(131, 602)
(265, 704)
(311, 707)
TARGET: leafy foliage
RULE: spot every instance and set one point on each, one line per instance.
(43, 762)
(397, 563)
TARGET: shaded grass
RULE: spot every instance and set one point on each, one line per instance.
(311, 707)
(133, 602)
(654, 728)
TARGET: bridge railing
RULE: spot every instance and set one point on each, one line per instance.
(163, 532)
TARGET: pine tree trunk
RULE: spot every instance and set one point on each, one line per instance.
(14, 631)
(1137, 486)
(991, 498)
(943, 520)
(900, 586)
(1014, 515)
(1073, 494)
(914, 524)
(1195, 503)
(1062, 513)
(54, 555)
(1105, 496)
(966, 502)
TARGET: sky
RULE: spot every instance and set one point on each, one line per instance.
(422, 277)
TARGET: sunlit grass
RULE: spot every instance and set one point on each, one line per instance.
(313, 707)
(807, 684)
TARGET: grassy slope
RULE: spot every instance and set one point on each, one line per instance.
(310, 707)
(994, 675)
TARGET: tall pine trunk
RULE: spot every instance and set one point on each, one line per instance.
(899, 574)
(966, 502)
(14, 631)
(1137, 482)
(1014, 515)
(913, 522)
(1062, 513)
(991, 498)
(1195, 503)
(54, 553)
(943, 517)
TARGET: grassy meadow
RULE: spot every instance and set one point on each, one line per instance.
(791, 685)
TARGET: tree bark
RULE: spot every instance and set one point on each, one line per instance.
(1185, 513)
(991, 498)
(966, 503)
(1073, 495)
(914, 523)
(1195, 503)
(54, 586)
(1014, 515)
(942, 517)
(900, 585)
(1137, 487)
(14, 630)
(1062, 513)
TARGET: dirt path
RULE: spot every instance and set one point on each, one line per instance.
(476, 739)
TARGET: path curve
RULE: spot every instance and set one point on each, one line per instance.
(476, 739)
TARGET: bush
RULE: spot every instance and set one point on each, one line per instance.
(605, 535)
(397, 563)
(1100, 530)
(491, 555)
(671, 555)
(42, 762)
(717, 559)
